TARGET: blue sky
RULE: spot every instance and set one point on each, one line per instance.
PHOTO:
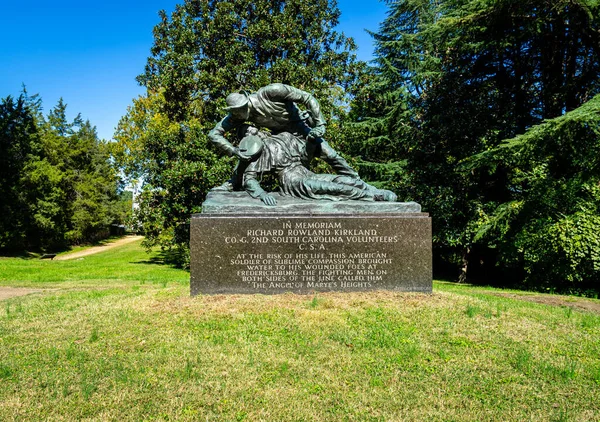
(89, 53)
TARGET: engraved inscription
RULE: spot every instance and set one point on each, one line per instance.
(312, 266)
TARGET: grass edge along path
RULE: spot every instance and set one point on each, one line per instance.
(120, 338)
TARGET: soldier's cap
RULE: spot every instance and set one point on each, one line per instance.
(236, 100)
(251, 146)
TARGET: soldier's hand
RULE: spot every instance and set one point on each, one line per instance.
(317, 132)
(268, 199)
(241, 155)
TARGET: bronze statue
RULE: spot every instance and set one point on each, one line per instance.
(274, 107)
(292, 139)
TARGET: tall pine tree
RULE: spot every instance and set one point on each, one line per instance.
(18, 139)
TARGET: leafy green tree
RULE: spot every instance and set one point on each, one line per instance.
(454, 78)
(207, 49)
(177, 167)
(122, 209)
(203, 51)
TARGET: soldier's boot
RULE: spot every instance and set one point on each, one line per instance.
(385, 195)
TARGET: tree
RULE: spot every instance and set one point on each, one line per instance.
(464, 76)
(207, 49)
(57, 184)
(201, 53)
(176, 164)
(550, 225)
(93, 186)
(18, 136)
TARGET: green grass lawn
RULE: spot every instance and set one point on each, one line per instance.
(115, 336)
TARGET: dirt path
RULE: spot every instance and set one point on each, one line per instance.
(97, 249)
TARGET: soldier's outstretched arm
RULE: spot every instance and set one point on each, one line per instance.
(252, 186)
(217, 137)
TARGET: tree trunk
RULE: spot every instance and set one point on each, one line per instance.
(462, 278)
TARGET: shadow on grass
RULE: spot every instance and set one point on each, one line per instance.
(451, 282)
(32, 253)
(172, 258)
(20, 254)
(469, 286)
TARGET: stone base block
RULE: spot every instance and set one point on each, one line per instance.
(298, 253)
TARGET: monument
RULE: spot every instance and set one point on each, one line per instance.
(321, 232)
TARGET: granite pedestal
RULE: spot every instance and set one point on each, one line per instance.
(239, 245)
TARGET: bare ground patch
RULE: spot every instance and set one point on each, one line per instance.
(9, 292)
(571, 302)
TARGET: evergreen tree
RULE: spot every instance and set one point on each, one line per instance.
(549, 227)
(94, 186)
(57, 184)
(18, 135)
(454, 78)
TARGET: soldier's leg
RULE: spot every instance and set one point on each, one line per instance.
(377, 194)
(335, 160)
(323, 185)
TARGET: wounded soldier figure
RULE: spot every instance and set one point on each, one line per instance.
(282, 154)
